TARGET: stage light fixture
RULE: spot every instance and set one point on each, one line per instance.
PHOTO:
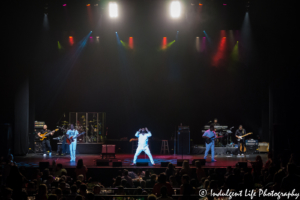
(113, 9)
(97, 37)
(64, 4)
(88, 4)
(224, 4)
(175, 9)
(96, 4)
(200, 4)
(70, 37)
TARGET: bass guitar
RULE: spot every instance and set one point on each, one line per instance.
(209, 140)
(44, 135)
(72, 138)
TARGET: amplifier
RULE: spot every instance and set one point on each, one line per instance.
(251, 146)
(263, 146)
(251, 142)
(38, 124)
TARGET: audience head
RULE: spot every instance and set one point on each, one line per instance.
(162, 178)
(151, 197)
(170, 166)
(42, 189)
(58, 192)
(59, 166)
(153, 177)
(79, 197)
(229, 169)
(198, 164)
(185, 165)
(163, 191)
(78, 183)
(52, 197)
(124, 182)
(97, 189)
(80, 177)
(50, 179)
(143, 184)
(62, 185)
(185, 179)
(125, 172)
(73, 189)
(82, 189)
(147, 173)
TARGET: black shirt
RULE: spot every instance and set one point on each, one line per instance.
(239, 132)
(44, 131)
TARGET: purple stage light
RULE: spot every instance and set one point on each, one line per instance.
(64, 4)
(224, 4)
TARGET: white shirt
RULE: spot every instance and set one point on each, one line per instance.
(73, 133)
(143, 139)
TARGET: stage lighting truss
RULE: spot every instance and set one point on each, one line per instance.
(175, 9)
(113, 9)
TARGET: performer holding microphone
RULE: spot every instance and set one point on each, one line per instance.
(143, 135)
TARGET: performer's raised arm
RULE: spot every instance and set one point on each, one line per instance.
(137, 133)
(148, 132)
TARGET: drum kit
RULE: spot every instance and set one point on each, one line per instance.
(65, 125)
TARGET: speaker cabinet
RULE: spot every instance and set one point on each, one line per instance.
(242, 165)
(202, 161)
(102, 162)
(117, 164)
(164, 164)
(43, 165)
(142, 164)
(180, 161)
(183, 142)
(38, 147)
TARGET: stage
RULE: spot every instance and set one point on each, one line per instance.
(32, 160)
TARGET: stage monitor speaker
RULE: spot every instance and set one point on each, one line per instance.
(183, 142)
(43, 165)
(202, 161)
(164, 164)
(242, 165)
(117, 164)
(102, 162)
(142, 164)
(180, 161)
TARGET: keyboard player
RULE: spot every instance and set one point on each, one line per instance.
(215, 123)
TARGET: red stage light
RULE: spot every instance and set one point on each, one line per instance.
(88, 4)
(200, 4)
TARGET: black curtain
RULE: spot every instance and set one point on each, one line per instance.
(21, 126)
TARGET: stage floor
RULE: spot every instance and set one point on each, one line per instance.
(32, 160)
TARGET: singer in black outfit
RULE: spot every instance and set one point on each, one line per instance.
(240, 132)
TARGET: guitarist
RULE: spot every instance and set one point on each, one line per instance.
(241, 141)
(46, 141)
(210, 136)
(72, 132)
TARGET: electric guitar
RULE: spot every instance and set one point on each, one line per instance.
(72, 138)
(44, 135)
(209, 140)
(241, 137)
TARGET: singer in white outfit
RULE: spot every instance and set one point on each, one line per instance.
(143, 135)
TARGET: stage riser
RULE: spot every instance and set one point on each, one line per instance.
(88, 148)
(218, 150)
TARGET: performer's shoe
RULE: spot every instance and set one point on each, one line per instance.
(238, 155)
(242, 155)
(132, 164)
(44, 155)
(204, 158)
(153, 164)
(213, 160)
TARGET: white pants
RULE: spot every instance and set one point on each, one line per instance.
(146, 150)
(73, 150)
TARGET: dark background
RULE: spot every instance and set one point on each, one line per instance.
(145, 86)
